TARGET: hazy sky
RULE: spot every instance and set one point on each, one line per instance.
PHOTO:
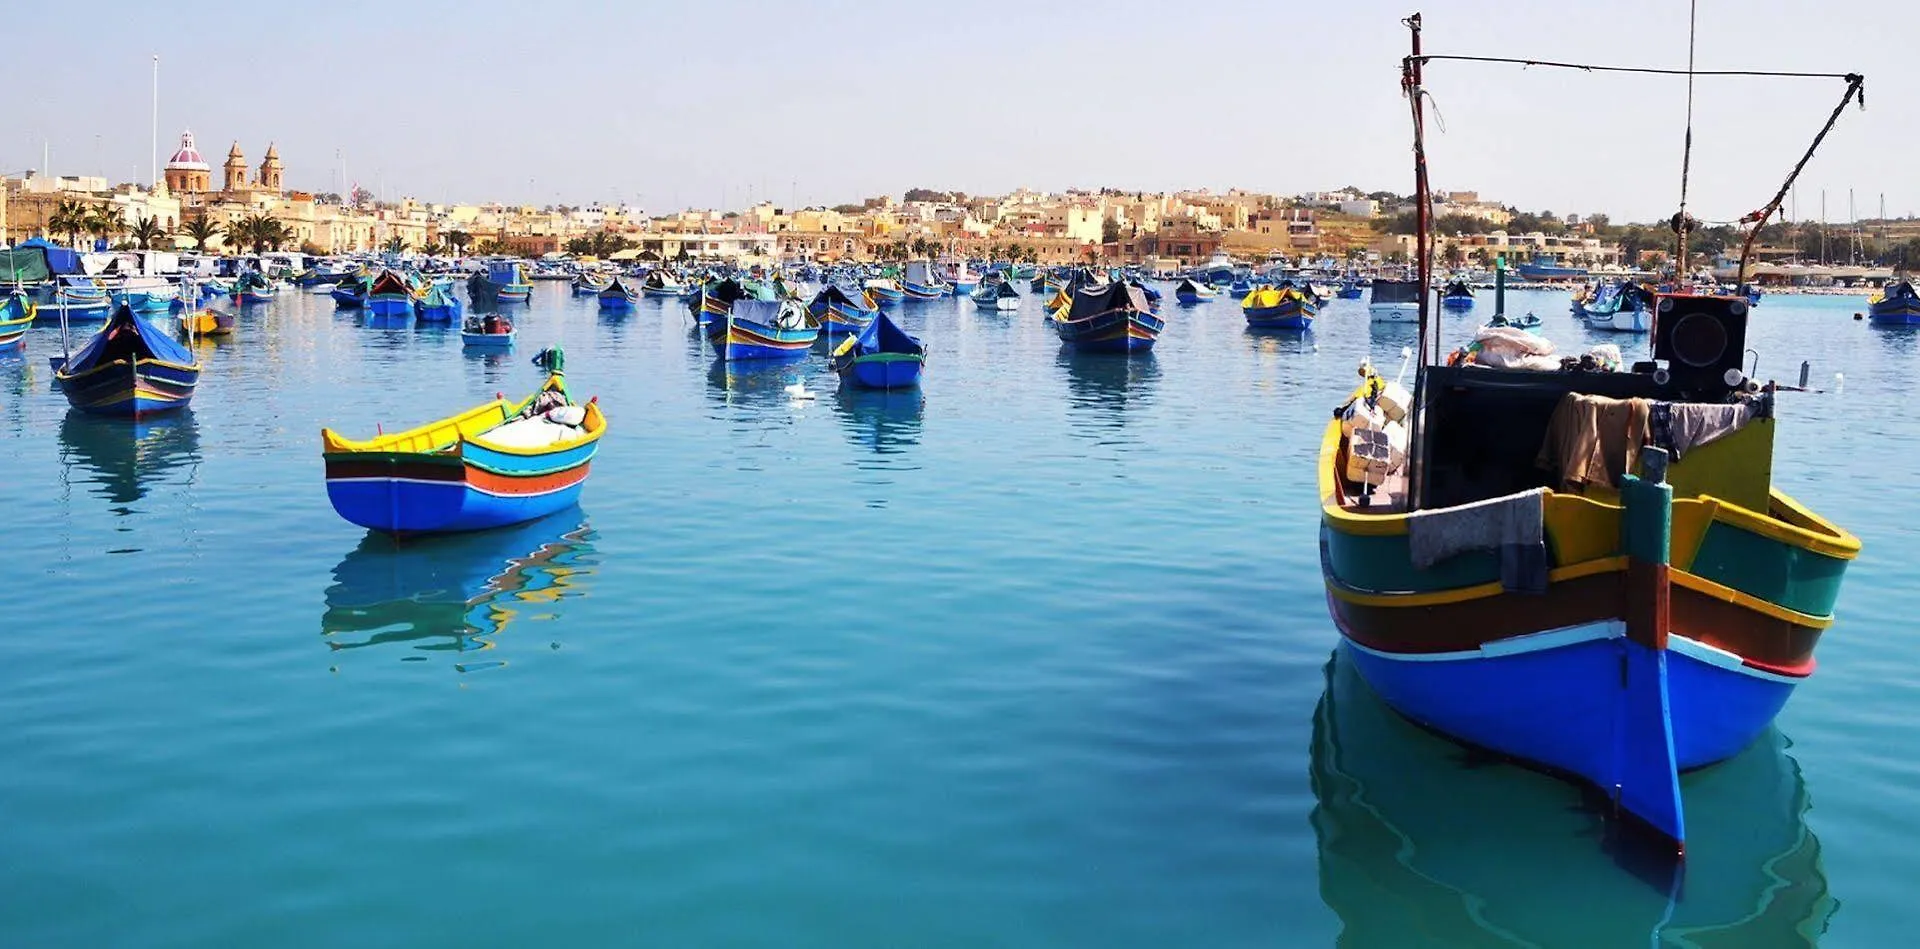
(698, 102)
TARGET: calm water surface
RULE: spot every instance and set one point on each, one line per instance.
(1038, 657)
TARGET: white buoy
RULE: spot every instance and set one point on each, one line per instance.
(1839, 382)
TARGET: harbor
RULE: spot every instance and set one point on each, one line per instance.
(1069, 567)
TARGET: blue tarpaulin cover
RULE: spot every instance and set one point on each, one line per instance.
(126, 334)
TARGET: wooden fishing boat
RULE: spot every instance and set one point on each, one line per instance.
(1588, 570)
(1191, 291)
(1349, 289)
(1110, 317)
(885, 291)
(498, 464)
(436, 303)
(1895, 305)
(508, 281)
(1285, 307)
(251, 288)
(350, 292)
(589, 285)
(488, 330)
(1621, 307)
(390, 294)
(839, 312)
(1457, 296)
(1394, 301)
(129, 368)
(80, 300)
(996, 294)
(881, 356)
(206, 321)
(766, 329)
(921, 283)
(715, 300)
(1240, 287)
(617, 297)
(660, 283)
(960, 280)
(16, 315)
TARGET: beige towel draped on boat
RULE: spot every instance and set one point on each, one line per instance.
(1592, 439)
(1513, 525)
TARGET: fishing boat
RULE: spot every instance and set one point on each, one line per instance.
(79, 300)
(487, 330)
(1240, 287)
(252, 287)
(1895, 305)
(885, 291)
(961, 281)
(206, 321)
(1545, 268)
(498, 464)
(617, 297)
(1191, 291)
(16, 315)
(1108, 318)
(715, 300)
(436, 303)
(390, 294)
(1620, 306)
(1457, 296)
(350, 292)
(1585, 569)
(766, 329)
(839, 312)
(1349, 289)
(1529, 322)
(880, 356)
(997, 294)
(129, 368)
(588, 285)
(507, 280)
(1394, 301)
(661, 283)
(1285, 307)
(148, 296)
(921, 283)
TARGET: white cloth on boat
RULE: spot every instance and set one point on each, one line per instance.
(1508, 347)
(536, 432)
(1680, 427)
(574, 415)
(1513, 525)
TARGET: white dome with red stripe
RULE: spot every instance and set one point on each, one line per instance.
(188, 157)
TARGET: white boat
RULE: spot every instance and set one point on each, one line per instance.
(1394, 301)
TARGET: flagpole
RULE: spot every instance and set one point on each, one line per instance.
(153, 166)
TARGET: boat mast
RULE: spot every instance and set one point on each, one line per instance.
(1423, 210)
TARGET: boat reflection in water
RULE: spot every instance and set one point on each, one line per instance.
(756, 382)
(1109, 381)
(1425, 843)
(456, 593)
(124, 458)
(884, 420)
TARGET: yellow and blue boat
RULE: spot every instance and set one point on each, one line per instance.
(16, 315)
(1108, 318)
(880, 356)
(1285, 307)
(841, 312)
(1895, 305)
(617, 296)
(129, 368)
(765, 329)
(498, 464)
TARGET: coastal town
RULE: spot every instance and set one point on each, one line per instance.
(253, 209)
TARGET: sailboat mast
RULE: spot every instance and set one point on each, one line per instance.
(1410, 70)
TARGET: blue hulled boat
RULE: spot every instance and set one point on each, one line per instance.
(1545, 267)
(350, 292)
(840, 312)
(1895, 305)
(436, 303)
(1191, 291)
(766, 329)
(1350, 289)
(501, 463)
(1457, 296)
(504, 280)
(617, 297)
(1285, 307)
(881, 356)
(996, 293)
(252, 288)
(82, 299)
(1620, 306)
(885, 291)
(391, 295)
(1109, 317)
(488, 331)
(586, 285)
(921, 283)
(130, 367)
(661, 283)
(16, 315)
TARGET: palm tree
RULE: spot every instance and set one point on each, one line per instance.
(201, 229)
(70, 218)
(458, 240)
(433, 249)
(105, 222)
(396, 244)
(489, 246)
(146, 232)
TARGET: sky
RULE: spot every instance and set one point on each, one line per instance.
(716, 103)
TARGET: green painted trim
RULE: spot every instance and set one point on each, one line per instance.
(1762, 567)
(1646, 520)
(1384, 564)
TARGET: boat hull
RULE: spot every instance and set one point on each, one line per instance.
(917, 291)
(1457, 303)
(997, 304)
(1287, 316)
(253, 297)
(616, 303)
(487, 340)
(146, 387)
(1903, 313)
(1393, 312)
(398, 304)
(437, 499)
(884, 371)
(1117, 332)
(1621, 321)
(886, 296)
(742, 340)
(514, 293)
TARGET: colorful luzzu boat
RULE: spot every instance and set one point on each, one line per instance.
(129, 368)
(501, 463)
(881, 356)
(1191, 291)
(885, 291)
(840, 312)
(765, 329)
(390, 295)
(1285, 307)
(1108, 318)
(252, 288)
(1617, 633)
(617, 297)
(1897, 305)
(16, 315)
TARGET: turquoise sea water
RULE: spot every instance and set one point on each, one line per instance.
(1036, 658)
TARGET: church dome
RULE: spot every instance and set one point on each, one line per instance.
(188, 157)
